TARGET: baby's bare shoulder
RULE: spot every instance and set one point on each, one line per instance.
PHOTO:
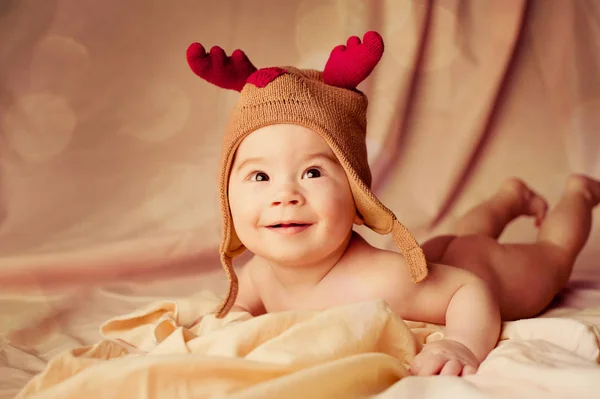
(363, 259)
(375, 266)
(384, 275)
(370, 268)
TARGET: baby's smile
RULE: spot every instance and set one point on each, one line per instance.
(289, 227)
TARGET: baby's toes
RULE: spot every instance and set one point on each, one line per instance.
(538, 208)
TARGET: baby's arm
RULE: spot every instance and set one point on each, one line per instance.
(473, 318)
(451, 296)
(248, 298)
(470, 313)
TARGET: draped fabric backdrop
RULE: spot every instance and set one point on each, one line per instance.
(109, 144)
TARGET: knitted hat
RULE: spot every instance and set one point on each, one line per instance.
(326, 102)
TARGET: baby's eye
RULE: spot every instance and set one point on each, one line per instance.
(312, 173)
(260, 176)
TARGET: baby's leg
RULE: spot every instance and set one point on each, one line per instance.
(569, 224)
(512, 200)
(526, 277)
(488, 219)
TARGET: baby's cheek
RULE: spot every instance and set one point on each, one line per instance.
(337, 202)
(244, 208)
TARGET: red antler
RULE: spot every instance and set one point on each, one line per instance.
(351, 64)
(219, 69)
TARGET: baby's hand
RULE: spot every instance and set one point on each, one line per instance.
(444, 357)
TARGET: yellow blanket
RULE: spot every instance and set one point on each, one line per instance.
(358, 350)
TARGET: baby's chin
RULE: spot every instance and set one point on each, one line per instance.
(299, 253)
(291, 257)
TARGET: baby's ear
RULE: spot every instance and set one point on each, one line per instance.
(358, 219)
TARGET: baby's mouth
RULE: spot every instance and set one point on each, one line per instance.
(289, 228)
(286, 225)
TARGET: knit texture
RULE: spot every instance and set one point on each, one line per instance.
(349, 65)
(219, 69)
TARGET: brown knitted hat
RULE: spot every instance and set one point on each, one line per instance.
(326, 102)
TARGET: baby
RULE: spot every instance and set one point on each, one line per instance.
(295, 180)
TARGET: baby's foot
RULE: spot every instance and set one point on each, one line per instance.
(523, 200)
(585, 186)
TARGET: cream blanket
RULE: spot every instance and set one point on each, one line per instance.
(359, 350)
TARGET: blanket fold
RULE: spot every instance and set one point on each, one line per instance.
(179, 349)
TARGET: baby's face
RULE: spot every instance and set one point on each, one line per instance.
(289, 197)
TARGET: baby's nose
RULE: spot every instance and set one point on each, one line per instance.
(288, 196)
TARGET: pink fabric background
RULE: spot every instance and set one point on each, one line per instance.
(109, 144)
